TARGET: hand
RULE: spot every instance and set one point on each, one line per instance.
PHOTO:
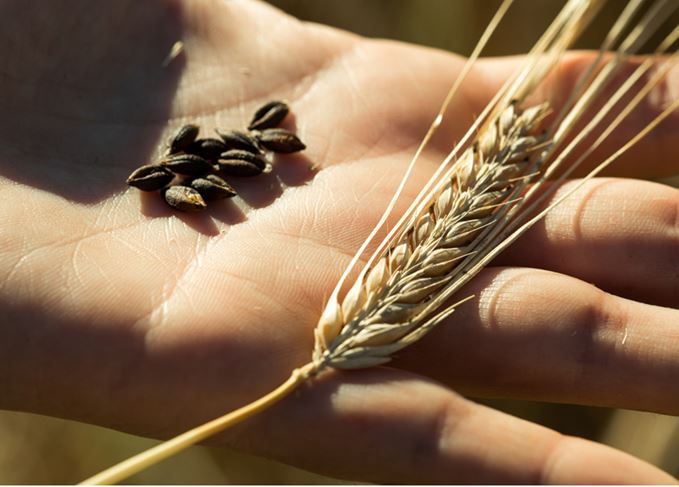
(117, 311)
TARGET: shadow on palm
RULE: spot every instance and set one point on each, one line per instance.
(91, 99)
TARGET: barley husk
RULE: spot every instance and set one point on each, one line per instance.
(242, 163)
(280, 140)
(236, 139)
(187, 164)
(243, 155)
(212, 187)
(183, 138)
(183, 198)
(208, 148)
(269, 115)
(239, 167)
(150, 177)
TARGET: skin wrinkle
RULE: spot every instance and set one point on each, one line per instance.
(78, 243)
(12, 271)
(416, 131)
(104, 208)
(301, 239)
(545, 475)
(668, 216)
(673, 218)
(254, 215)
(136, 323)
(372, 150)
(584, 204)
(157, 310)
(132, 247)
(254, 284)
(549, 452)
(315, 214)
(75, 269)
(303, 83)
(52, 246)
(358, 50)
(593, 326)
(433, 447)
(354, 88)
(490, 300)
(242, 280)
(339, 62)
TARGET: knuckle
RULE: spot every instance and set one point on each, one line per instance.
(602, 324)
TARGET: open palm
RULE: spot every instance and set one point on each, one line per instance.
(117, 311)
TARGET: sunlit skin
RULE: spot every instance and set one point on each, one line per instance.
(117, 311)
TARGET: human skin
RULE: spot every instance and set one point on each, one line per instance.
(117, 311)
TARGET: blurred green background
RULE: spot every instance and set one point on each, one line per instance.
(35, 449)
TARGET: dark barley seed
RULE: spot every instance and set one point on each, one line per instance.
(269, 115)
(183, 198)
(150, 178)
(184, 138)
(208, 148)
(187, 164)
(235, 139)
(212, 187)
(239, 167)
(242, 155)
(280, 140)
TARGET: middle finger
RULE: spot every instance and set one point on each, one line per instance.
(618, 234)
(546, 336)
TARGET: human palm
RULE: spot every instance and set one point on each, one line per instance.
(120, 312)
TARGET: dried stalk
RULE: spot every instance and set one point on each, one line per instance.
(474, 206)
(153, 455)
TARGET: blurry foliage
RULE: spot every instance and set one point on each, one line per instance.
(453, 25)
(35, 449)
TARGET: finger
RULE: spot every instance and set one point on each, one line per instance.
(545, 336)
(387, 426)
(620, 235)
